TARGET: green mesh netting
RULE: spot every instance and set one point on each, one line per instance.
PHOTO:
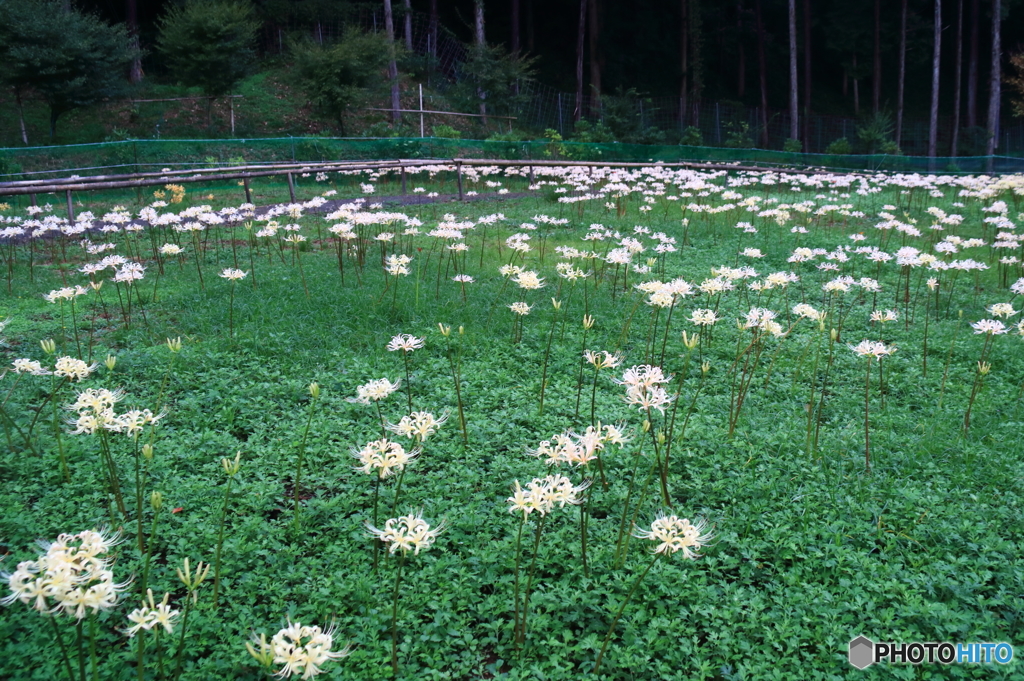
(147, 155)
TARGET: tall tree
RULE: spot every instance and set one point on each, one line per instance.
(684, 58)
(807, 75)
(407, 17)
(596, 59)
(901, 79)
(741, 55)
(933, 115)
(389, 31)
(132, 19)
(956, 78)
(480, 44)
(876, 70)
(762, 69)
(70, 58)
(515, 26)
(434, 21)
(995, 78)
(794, 127)
(580, 42)
(210, 44)
(972, 66)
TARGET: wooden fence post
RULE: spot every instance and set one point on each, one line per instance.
(291, 187)
(71, 207)
(458, 167)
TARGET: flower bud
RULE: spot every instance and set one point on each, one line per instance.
(264, 656)
(462, 330)
(156, 500)
(232, 467)
(690, 342)
(147, 452)
(110, 362)
(557, 304)
(984, 368)
(445, 329)
(661, 438)
(834, 335)
(588, 322)
(174, 344)
(314, 390)
(705, 367)
(48, 346)
(646, 425)
(96, 285)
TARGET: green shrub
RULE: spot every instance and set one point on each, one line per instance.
(692, 137)
(793, 146)
(840, 146)
(447, 132)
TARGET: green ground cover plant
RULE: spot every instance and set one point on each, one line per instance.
(590, 423)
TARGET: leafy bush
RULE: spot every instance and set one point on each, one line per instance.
(592, 133)
(340, 77)
(840, 146)
(876, 131)
(494, 76)
(209, 44)
(793, 146)
(738, 136)
(692, 137)
(446, 132)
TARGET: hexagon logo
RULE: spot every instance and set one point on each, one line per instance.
(861, 654)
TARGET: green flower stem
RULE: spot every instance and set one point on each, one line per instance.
(515, 597)
(408, 383)
(547, 355)
(92, 648)
(140, 666)
(625, 505)
(376, 541)
(394, 615)
(529, 581)
(220, 540)
(138, 499)
(81, 650)
(149, 550)
(615, 621)
(302, 452)
(181, 637)
(63, 649)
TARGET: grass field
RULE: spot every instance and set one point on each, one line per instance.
(847, 488)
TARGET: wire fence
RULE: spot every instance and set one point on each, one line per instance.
(543, 107)
(155, 155)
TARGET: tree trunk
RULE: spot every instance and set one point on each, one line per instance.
(132, 19)
(21, 115)
(995, 78)
(581, 34)
(515, 26)
(972, 68)
(684, 58)
(389, 29)
(794, 86)
(933, 116)
(876, 75)
(54, 115)
(856, 87)
(762, 73)
(956, 81)
(595, 59)
(408, 24)
(807, 75)
(434, 21)
(529, 27)
(479, 41)
(741, 55)
(902, 72)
